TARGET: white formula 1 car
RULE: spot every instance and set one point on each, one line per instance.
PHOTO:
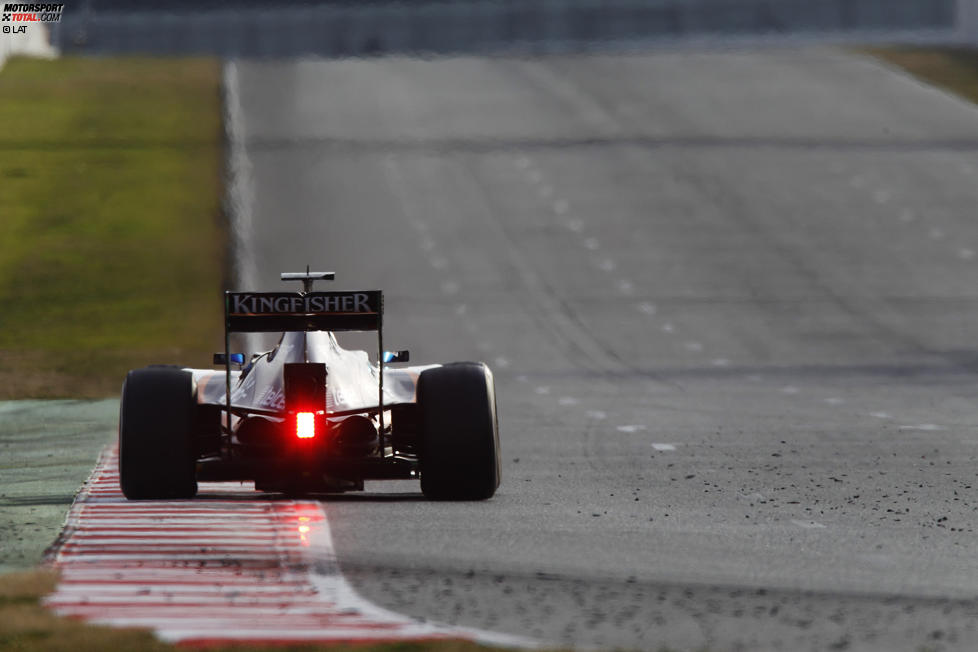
(309, 416)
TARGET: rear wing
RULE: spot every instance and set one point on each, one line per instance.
(267, 312)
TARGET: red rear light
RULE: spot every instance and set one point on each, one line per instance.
(305, 425)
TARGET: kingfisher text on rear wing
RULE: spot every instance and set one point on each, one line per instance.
(296, 311)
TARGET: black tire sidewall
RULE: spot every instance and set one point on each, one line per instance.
(459, 447)
(157, 451)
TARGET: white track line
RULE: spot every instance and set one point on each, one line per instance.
(239, 194)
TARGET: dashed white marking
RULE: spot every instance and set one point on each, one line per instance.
(630, 428)
(693, 345)
(936, 234)
(880, 415)
(567, 400)
(522, 379)
(857, 182)
(789, 389)
(606, 265)
(438, 262)
(535, 176)
(546, 191)
(809, 525)
(646, 308)
(591, 243)
(450, 287)
(598, 415)
(427, 244)
(720, 362)
(522, 162)
(461, 309)
(757, 496)
(664, 447)
(835, 400)
(576, 225)
(928, 427)
(881, 196)
(542, 390)
(561, 206)
(628, 108)
(668, 327)
(502, 363)
(966, 254)
(907, 216)
(625, 286)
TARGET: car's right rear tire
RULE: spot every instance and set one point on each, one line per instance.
(157, 451)
(459, 443)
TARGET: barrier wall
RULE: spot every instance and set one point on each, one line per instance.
(33, 43)
(490, 26)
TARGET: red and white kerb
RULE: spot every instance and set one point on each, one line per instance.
(228, 566)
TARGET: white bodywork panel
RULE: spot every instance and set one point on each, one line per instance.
(351, 379)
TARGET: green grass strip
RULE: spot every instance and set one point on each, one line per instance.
(112, 249)
(954, 69)
(26, 626)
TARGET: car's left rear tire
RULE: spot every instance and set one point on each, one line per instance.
(157, 450)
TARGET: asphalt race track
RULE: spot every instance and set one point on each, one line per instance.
(731, 301)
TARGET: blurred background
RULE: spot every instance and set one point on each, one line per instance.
(376, 27)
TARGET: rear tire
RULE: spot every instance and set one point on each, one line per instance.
(459, 443)
(157, 451)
